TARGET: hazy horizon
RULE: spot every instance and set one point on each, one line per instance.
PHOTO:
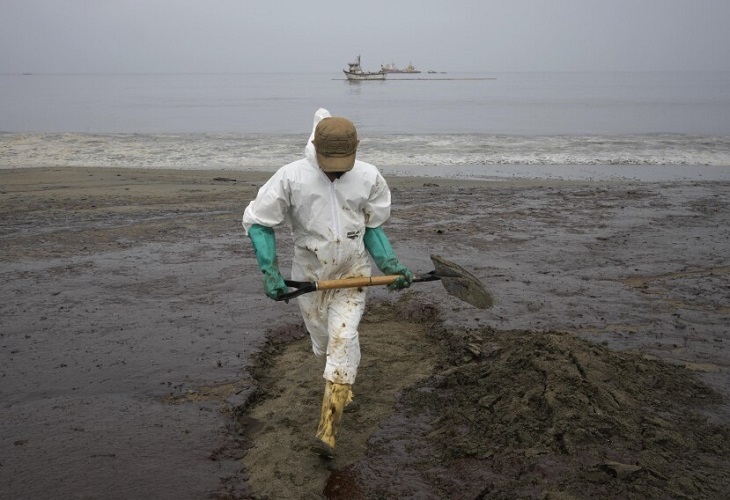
(269, 36)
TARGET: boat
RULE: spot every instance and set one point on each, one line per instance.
(392, 68)
(356, 73)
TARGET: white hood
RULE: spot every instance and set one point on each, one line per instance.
(309, 151)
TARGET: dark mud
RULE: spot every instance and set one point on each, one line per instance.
(280, 420)
(132, 319)
(487, 414)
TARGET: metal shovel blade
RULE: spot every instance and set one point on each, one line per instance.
(461, 283)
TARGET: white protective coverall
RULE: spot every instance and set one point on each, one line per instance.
(327, 221)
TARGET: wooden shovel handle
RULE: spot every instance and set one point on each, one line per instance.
(357, 282)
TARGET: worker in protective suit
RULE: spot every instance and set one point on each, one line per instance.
(335, 206)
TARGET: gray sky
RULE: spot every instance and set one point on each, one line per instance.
(140, 36)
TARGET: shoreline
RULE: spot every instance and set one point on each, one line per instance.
(450, 175)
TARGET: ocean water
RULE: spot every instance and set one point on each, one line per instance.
(464, 125)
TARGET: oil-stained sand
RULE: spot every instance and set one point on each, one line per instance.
(132, 312)
(396, 350)
(485, 414)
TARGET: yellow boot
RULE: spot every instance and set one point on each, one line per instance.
(336, 396)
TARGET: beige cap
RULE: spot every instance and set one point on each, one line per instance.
(335, 140)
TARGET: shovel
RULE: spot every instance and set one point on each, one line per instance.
(456, 280)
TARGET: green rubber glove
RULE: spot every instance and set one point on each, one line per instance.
(264, 243)
(382, 253)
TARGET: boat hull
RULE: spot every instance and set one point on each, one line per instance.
(364, 76)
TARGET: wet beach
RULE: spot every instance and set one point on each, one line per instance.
(136, 337)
